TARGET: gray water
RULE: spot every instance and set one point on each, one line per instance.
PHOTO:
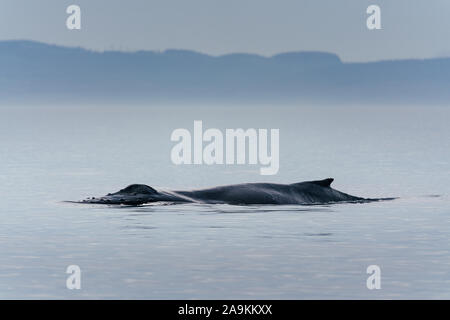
(196, 251)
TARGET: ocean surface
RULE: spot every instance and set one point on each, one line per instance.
(194, 251)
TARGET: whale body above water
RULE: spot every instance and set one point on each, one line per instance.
(302, 193)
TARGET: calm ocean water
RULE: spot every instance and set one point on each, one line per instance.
(51, 154)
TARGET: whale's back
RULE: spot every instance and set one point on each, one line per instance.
(309, 192)
(247, 193)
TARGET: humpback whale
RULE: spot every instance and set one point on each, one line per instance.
(303, 193)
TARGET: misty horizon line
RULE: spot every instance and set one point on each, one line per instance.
(237, 53)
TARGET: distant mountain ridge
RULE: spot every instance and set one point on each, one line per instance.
(33, 72)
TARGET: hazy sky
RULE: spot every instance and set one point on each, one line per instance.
(410, 28)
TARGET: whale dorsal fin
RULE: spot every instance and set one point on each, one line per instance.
(324, 182)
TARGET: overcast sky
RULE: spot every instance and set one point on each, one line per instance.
(410, 28)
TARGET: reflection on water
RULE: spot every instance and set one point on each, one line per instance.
(223, 251)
